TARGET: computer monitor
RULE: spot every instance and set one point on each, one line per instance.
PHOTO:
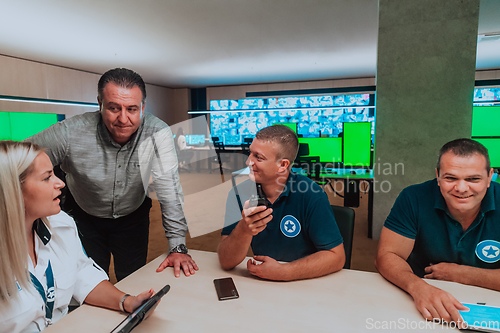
(18, 126)
(357, 144)
(486, 121)
(493, 146)
(329, 150)
(195, 140)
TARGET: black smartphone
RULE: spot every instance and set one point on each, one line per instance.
(258, 199)
(142, 312)
(225, 289)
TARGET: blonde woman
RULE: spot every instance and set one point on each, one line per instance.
(42, 263)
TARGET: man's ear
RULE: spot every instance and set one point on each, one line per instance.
(490, 175)
(100, 104)
(283, 165)
(437, 175)
(143, 106)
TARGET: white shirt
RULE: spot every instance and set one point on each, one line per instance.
(74, 275)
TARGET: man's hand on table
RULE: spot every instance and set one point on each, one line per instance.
(445, 271)
(178, 260)
(268, 269)
(436, 304)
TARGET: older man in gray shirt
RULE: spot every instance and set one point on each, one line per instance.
(109, 156)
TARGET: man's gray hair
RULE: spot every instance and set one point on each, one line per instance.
(122, 77)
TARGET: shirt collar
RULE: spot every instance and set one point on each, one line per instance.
(289, 183)
(42, 231)
(487, 204)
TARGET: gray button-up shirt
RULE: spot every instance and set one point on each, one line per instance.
(111, 181)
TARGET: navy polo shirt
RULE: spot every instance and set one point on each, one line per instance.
(303, 222)
(420, 213)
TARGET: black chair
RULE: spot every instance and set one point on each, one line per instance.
(345, 221)
(312, 163)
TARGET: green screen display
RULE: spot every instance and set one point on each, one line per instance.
(493, 146)
(486, 121)
(18, 126)
(329, 150)
(292, 126)
(357, 144)
(5, 133)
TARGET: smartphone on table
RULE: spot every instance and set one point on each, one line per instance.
(225, 289)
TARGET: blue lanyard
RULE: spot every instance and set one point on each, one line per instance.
(49, 297)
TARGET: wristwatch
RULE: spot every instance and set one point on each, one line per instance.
(181, 248)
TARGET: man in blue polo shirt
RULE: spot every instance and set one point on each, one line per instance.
(297, 227)
(446, 229)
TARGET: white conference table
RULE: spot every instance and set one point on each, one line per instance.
(346, 301)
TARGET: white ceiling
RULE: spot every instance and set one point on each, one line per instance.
(192, 43)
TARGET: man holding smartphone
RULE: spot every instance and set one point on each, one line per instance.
(297, 226)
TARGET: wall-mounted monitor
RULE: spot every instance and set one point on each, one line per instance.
(293, 102)
(357, 144)
(486, 121)
(18, 126)
(310, 123)
(292, 126)
(329, 150)
(493, 146)
(486, 96)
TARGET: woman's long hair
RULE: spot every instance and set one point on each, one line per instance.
(16, 163)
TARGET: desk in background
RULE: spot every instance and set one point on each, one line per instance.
(346, 301)
(347, 175)
(209, 153)
(355, 176)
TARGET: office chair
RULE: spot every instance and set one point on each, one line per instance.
(345, 221)
(311, 162)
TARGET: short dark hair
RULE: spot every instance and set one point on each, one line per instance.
(285, 137)
(122, 77)
(464, 147)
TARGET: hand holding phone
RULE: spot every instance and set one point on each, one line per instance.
(258, 199)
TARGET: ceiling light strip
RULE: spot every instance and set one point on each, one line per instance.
(46, 101)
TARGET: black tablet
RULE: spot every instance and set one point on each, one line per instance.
(140, 313)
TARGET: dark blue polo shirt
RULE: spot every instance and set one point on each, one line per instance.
(420, 213)
(303, 222)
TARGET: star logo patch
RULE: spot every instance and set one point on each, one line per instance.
(488, 251)
(290, 226)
